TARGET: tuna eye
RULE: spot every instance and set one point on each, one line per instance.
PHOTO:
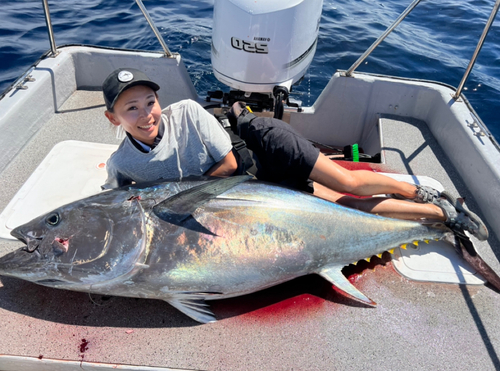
(53, 219)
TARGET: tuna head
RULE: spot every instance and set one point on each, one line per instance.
(79, 245)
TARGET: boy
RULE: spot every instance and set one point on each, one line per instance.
(186, 140)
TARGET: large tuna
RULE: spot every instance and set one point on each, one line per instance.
(191, 241)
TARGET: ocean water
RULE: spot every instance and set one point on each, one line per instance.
(435, 42)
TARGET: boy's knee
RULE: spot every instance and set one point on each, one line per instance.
(347, 184)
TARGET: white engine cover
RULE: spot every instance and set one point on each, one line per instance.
(258, 44)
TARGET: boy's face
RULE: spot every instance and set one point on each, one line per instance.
(137, 110)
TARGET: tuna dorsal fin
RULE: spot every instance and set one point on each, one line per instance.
(180, 207)
(193, 305)
(337, 278)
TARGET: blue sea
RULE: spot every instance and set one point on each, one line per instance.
(435, 42)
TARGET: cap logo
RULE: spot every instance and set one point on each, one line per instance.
(125, 76)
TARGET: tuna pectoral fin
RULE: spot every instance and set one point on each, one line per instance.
(193, 305)
(337, 278)
(180, 207)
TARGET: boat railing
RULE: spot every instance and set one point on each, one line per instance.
(403, 15)
(478, 49)
(381, 38)
(168, 54)
(49, 28)
(145, 12)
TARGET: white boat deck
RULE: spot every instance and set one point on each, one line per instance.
(302, 325)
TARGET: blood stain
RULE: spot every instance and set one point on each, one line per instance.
(83, 346)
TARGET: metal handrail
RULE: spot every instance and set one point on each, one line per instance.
(478, 49)
(155, 30)
(382, 37)
(403, 15)
(49, 27)
(53, 48)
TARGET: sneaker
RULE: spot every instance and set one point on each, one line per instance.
(458, 218)
(235, 111)
(237, 108)
(424, 194)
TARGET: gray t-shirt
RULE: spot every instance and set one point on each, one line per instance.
(192, 142)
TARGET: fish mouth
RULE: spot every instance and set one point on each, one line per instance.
(19, 235)
(32, 243)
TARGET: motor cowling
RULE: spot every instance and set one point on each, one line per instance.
(257, 45)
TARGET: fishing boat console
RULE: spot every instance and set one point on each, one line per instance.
(55, 137)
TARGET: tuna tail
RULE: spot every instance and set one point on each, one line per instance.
(465, 248)
(335, 276)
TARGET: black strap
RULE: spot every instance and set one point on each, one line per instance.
(246, 164)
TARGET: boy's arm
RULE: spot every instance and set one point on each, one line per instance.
(225, 167)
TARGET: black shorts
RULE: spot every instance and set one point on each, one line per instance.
(284, 156)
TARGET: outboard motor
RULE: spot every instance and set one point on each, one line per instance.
(260, 48)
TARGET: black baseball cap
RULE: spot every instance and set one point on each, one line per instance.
(122, 79)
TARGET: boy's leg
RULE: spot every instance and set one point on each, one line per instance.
(328, 175)
(383, 206)
(359, 182)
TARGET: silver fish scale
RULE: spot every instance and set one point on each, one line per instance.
(186, 242)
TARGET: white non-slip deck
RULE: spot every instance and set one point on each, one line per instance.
(72, 170)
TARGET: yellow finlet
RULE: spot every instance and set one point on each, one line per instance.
(403, 246)
(368, 259)
(426, 241)
(391, 251)
(380, 255)
(415, 243)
